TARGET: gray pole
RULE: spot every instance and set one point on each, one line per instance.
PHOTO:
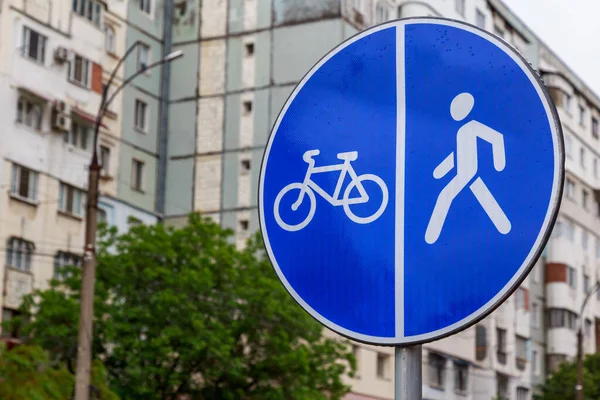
(408, 373)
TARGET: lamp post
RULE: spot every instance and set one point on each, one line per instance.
(86, 311)
(579, 384)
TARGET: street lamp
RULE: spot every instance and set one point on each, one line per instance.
(86, 311)
(579, 385)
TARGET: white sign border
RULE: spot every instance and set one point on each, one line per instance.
(541, 240)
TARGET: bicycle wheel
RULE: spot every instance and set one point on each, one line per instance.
(384, 198)
(311, 212)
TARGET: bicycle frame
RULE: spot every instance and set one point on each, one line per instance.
(335, 200)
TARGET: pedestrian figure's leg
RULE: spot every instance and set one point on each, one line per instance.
(491, 206)
(442, 206)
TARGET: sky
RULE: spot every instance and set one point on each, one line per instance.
(570, 28)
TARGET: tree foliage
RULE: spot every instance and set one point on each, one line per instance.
(561, 384)
(183, 312)
(26, 373)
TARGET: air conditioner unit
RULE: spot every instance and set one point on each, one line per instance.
(60, 106)
(61, 54)
(61, 121)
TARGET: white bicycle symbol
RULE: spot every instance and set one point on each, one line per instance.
(308, 187)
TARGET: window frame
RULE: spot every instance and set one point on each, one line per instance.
(459, 7)
(26, 43)
(146, 7)
(595, 133)
(82, 8)
(104, 158)
(80, 133)
(32, 183)
(135, 185)
(58, 262)
(570, 188)
(480, 19)
(461, 377)
(381, 365)
(36, 122)
(110, 39)
(141, 47)
(16, 245)
(85, 67)
(437, 370)
(140, 106)
(77, 201)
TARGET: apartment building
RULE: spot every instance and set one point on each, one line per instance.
(56, 57)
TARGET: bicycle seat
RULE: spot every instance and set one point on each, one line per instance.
(310, 154)
(349, 155)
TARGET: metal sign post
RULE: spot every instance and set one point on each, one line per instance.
(382, 214)
(408, 379)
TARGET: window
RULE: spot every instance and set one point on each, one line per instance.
(587, 328)
(569, 146)
(568, 101)
(570, 189)
(585, 238)
(535, 317)
(13, 330)
(459, 6)
(498, 31)
(105, 158)
(137, 174)
(437, 369)
(34, 45)
(29, 113)
(356, 352)
(586, 284)
(480, 342)
(595, 164)
(584, 199)
(554, 361)
(61, 260)
(245, 166)
(18, 253)
(102, 218)
(79, 70)
(79, 136)
(382, 365)
(502, 386)
(143, 56)
(23, 183)
(569, 230)
(582, 157)
(141, 115)
(146, 6)
(572, 277)
(534, 362)
(71, 200)
(249, 47)
(521, 299)
(521, 356)
(595, 127)
(109, 39)
(561, 318)
(522, 393)
(247, 105)
(461, 374)
(381, 13)
(89, 9)
(480, 19)
(597, 248)
(581, 115)
(244, 224)
(501, 345)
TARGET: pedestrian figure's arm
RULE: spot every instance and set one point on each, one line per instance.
(497, 141)
(445, 166)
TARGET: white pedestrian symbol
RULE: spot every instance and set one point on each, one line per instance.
(308, 187)
(466, 170)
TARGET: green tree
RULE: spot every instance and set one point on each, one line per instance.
(26, 373)
(561, 384)
(182, 312)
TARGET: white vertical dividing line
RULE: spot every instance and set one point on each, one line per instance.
(400, 153)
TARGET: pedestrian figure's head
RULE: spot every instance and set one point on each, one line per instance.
(461, 106)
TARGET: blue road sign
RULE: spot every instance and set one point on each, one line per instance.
(411, 181)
